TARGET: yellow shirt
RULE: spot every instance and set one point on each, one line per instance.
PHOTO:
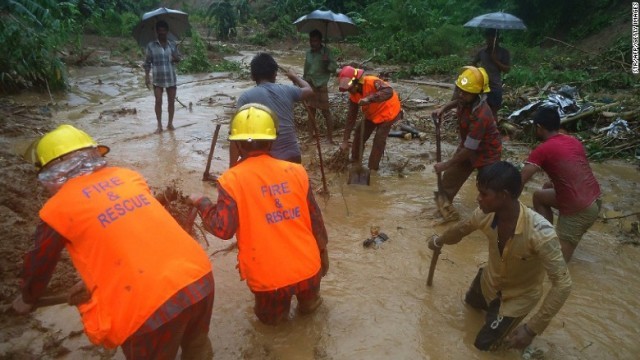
(518, 274)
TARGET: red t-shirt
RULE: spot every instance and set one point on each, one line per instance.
(563, 158)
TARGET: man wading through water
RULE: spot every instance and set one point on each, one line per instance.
(150, 284)
(269, 205)
(522, 247)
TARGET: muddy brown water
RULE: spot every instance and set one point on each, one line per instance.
(376, 304)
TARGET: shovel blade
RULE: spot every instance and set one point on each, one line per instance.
(359, 176)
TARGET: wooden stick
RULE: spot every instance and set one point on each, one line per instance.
(178, 100)
(430, 83)
(312, 119)
(586, 113)
(206, 175)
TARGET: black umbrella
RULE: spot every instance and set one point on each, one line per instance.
(145, 31)
(330, 24)
(497, 20)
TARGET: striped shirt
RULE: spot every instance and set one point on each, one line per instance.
(159, 57)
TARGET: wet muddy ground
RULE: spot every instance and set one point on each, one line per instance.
(376, 304)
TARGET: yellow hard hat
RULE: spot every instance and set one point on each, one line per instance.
(473, 80)
(253, 122)
(59, 142)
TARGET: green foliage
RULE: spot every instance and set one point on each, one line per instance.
(259, 39)
(196, 60)
(440, 65)
(31, 35)
(281, 28)
(224, 15)
(226, 65)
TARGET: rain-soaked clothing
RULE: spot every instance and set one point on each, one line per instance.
(271, 195)
(479, 133)
(158, 59)
(516, 275)
(383, 111)
(129, 264)
(280, 99)
(565, 161)
(280, 231)
(494, 97)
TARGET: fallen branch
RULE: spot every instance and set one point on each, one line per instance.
(207, 79)
(586, 113)
(431, 83)
(620, 217)
(178, 100)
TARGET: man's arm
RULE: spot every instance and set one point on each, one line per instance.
(38, 266)
(455, 233)
(503, 62)
(148, 61)
(352, 115)
(462, 154)
(527, 173)
(448, 106)
(220, 219)
(557, 271)
(383, 93)
(307, 90)
(558, 274)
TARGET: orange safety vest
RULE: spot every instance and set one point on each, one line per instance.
(377, 112)
(132, 255)
(276, 246)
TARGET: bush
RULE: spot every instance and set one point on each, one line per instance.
(196, 60)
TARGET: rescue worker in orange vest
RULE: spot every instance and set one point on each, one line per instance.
(269, 205)
(149, 285)
(380, 106)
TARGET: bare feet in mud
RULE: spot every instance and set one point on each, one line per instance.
(170, 127)
(158, 130)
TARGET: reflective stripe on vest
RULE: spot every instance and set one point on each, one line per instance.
(377, 112)
(130, 252)
(275, 241)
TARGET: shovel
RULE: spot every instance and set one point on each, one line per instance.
(358, 174)
(441, 199)
(206, 176)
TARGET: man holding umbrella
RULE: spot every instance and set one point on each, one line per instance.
(495, 60)
(319, 64)
(162, 56)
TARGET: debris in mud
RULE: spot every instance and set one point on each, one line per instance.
(608, 129)
(339, 161)
(177, 205)
(119, 112)
(376, 239)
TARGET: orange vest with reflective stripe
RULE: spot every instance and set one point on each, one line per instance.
(130, 252)
(276, 246)
(377, 112)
